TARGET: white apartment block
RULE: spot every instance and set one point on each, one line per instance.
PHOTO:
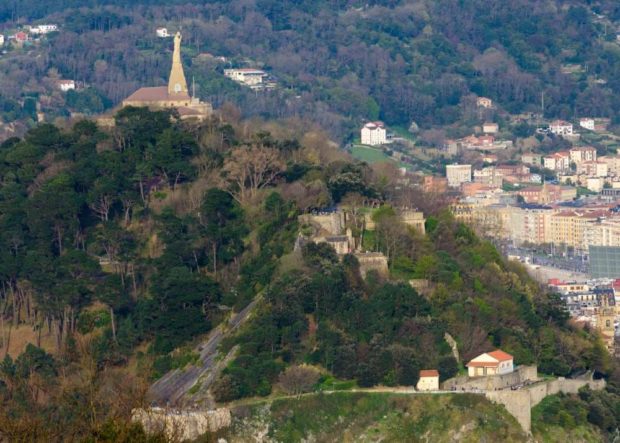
(560, 161)
(374, 134)
(582, 154)
(457, 174)
(560, 127)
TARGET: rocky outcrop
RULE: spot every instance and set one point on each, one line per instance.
(182, 425)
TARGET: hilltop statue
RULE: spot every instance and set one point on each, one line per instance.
(175, 95)
(177, 83)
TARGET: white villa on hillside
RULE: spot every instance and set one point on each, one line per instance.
(491, 363)
(560, 127)
(246, 76)
(374, 134)
(42, 29)
(162, 33)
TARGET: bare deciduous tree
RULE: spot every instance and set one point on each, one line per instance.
(298, 379)
(251, 168)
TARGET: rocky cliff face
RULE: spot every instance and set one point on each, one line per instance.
(182, 425)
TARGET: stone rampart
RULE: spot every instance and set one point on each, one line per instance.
(521, 375)
(520, 402)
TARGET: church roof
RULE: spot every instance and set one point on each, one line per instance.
(156, 94)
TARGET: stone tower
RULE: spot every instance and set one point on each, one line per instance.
(177, 83)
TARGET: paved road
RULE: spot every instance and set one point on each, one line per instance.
(171, 389)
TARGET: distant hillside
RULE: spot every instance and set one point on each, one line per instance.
(338, 63)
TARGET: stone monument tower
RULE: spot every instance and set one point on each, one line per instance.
(177, 83)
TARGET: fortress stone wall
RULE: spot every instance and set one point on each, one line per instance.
(522, 374)
(520, 402)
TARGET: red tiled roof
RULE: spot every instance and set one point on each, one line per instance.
(500, 355)
(156, 94)
(429, 373)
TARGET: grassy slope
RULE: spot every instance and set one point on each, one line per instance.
(552, 433)
(370, 155)
(373, 417)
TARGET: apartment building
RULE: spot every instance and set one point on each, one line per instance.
(457, 174)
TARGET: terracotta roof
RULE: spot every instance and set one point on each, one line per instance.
(500, 355)
(156, 94)
(429, 373)
(185, 111)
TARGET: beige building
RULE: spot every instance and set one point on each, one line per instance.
(175, 95)
(490, 128)
(415, 219)
(491, 363)
(571, 228)
(531, 159)
(582, 154)
(560, 161)
(530, 224)
(429, 380)
(457, 174)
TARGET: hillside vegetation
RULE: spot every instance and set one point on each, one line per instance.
(376, 417)
(122, 249)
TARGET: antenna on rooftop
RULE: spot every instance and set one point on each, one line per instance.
(193, 87)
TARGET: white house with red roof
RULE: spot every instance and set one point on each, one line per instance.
(496, 362)
(561, 127)
(429, 380)
(374, 134)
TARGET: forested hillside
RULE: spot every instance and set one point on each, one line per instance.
(121, 248)
(336, 63)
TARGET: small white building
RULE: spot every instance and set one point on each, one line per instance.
(457, 174)
(66, 85)
(587, 123)
(246, 76)
(1, 39)
(374, 134)
(491, 363)
(43, 29)
(561, 127)
(429, 380)
(162, 33)
(490, 128)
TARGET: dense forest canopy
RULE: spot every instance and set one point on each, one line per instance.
(337, 62)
